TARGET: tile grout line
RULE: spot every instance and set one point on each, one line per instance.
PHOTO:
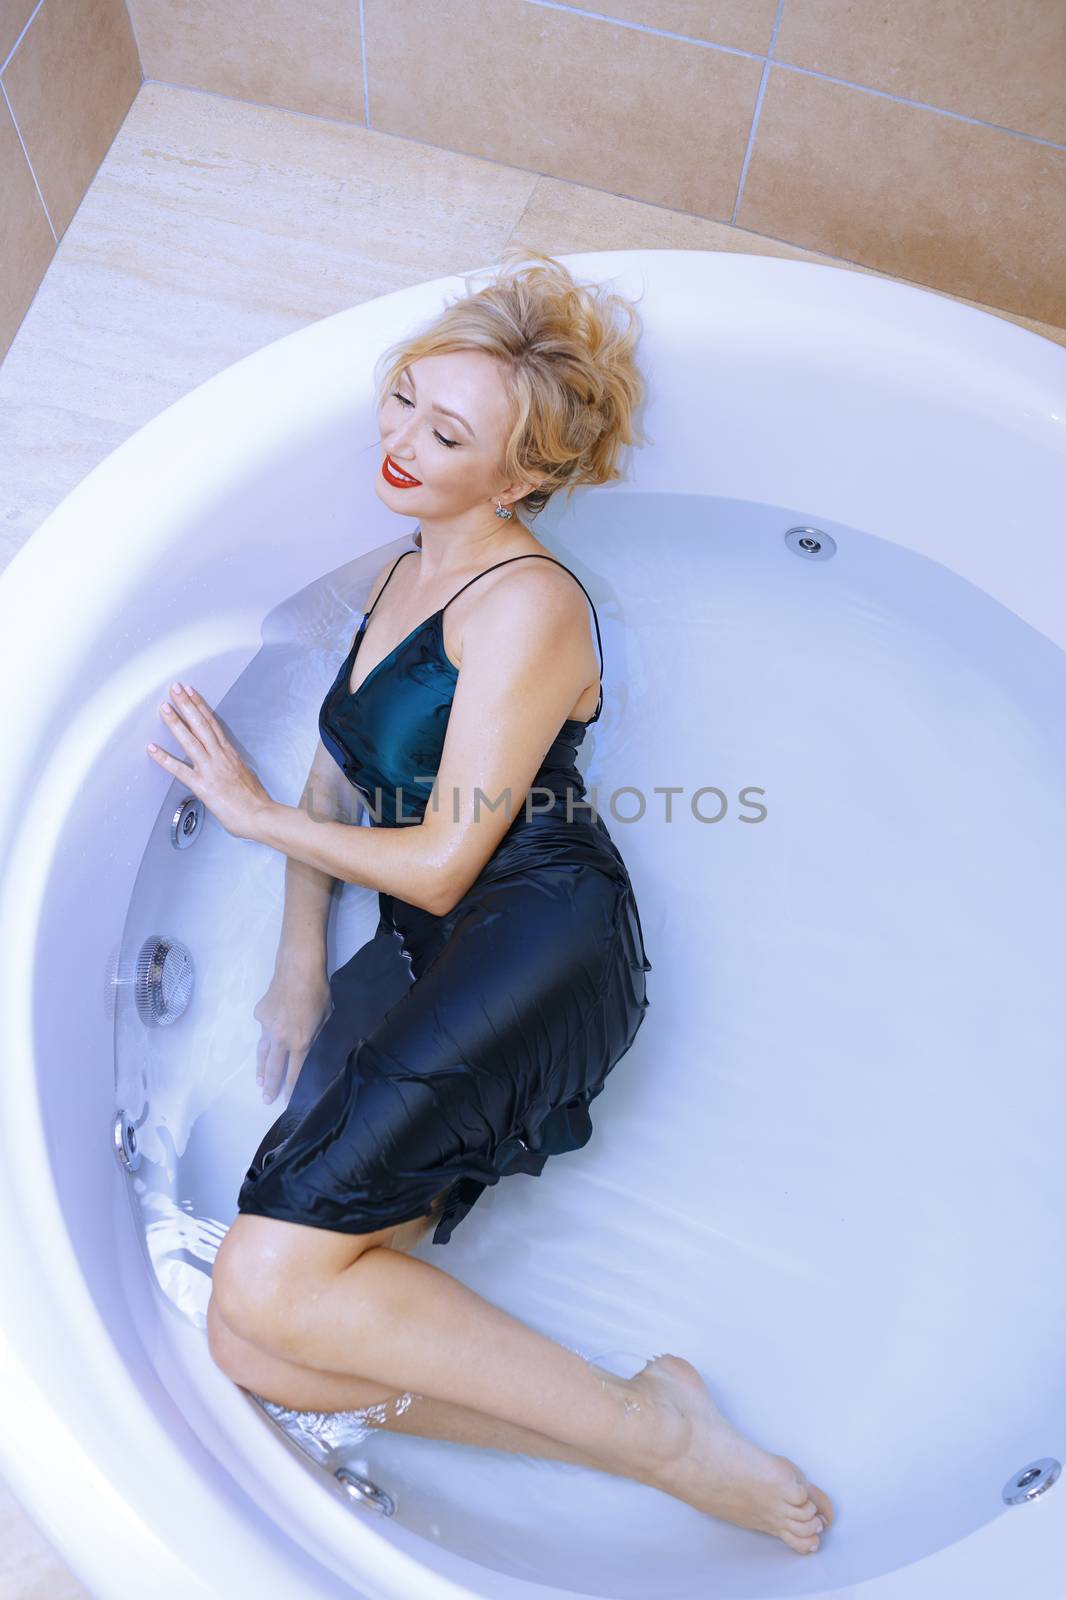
(786, 66)
(133, 36)
(22, 34)
(764, 78)
(918, 105)
(366, 70)
(29, 163)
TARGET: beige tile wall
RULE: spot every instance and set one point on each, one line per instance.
(924, 141)
(69, 71)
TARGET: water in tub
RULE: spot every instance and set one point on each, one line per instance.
(838, 786)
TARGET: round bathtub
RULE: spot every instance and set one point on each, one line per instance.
(833, 598)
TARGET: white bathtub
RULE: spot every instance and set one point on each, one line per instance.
(826, 1172)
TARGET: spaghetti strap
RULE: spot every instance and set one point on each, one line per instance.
(368, 614)
(533, 555)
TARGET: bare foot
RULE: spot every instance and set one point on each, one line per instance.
(718, 1471)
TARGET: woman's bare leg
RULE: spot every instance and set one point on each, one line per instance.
(421, 1330)
(303, 1389)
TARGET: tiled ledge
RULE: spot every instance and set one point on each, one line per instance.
(214, 226)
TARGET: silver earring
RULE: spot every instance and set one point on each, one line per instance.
(502, 511)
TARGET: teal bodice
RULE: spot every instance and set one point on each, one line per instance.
(388, 737)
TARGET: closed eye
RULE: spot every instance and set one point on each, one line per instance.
(451, 443)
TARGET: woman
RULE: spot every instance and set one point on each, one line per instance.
(506, 976)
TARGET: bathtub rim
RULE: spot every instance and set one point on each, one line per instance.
(88, 1542)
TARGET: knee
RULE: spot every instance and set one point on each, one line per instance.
(268, 1276)
(246, 1290)
(225, 1346)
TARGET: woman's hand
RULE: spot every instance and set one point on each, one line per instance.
(291, 1013)
(217, 775)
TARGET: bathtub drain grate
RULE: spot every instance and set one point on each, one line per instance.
(162, 981)
(1033, 1480)
(811, 543)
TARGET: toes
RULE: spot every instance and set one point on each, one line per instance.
(796, 1490)
(808, 1510)
(800, 1543)
(825, 1506)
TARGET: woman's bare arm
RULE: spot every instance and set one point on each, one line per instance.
(327, 797)
(522, 668)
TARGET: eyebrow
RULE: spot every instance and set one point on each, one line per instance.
(442, 409)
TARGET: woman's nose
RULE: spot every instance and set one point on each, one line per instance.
(399, 451)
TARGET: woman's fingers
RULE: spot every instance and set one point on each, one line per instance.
(296, 1061)
(271, 1066)
(191, 721)
(181, 731)
(164, 758)
(197, 714)
(275, 1072)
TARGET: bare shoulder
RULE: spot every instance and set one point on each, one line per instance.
(529, 593)
(534, 616)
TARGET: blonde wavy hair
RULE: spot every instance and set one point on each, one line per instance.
(567, 364)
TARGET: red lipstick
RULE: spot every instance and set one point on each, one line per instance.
(394, 474)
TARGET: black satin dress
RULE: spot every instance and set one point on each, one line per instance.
(465, 1047)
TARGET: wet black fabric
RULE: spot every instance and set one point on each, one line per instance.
(465, 1047)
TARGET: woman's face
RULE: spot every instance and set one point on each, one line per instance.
(456, 463)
